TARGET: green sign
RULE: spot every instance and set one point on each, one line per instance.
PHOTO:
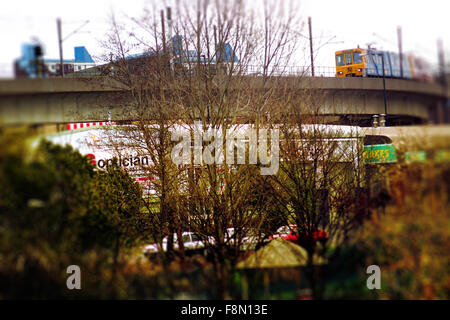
(415, 156)
(443, 156)
(379, 153)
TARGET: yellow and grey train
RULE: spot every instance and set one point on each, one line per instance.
(360, 62)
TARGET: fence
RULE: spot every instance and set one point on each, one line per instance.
(6, 71)
(305, 71)
(252, 70)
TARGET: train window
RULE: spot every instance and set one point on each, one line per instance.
(357, 57)
(379, 59)
(340, 60)
(348, 58)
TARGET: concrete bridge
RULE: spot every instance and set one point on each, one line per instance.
(346, 100)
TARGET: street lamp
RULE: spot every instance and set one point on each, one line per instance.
(382, 116)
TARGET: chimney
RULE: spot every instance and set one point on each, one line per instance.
(382, 120)
(375, 120)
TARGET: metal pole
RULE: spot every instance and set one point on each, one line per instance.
(400, 49)
(58, 24)
(442, 79)
(163, 32)
(170, 40)
(311, 46)
(441, 63)
(384, 85)
(169, 22)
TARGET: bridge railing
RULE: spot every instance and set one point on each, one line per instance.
(7, 71)
(319, 71)
(255, 70)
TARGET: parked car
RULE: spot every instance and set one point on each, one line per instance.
(191, 241)
(229, 235)
(283, 231)
(291, 233)
(249, 241)
(252, 241)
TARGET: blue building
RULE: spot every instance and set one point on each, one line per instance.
(32, 64)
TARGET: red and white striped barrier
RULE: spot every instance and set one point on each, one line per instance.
(81, 125)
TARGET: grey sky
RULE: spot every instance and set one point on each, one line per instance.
(346, 22)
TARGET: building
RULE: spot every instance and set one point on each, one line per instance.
(32, 64)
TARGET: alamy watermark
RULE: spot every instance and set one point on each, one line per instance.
(235, 139)
(374, 280)
(74, 280)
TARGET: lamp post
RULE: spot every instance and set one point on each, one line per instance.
(382, 116)
(61, 65)
(384, 83)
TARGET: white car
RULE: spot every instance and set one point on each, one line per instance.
(249, 242)
(229, 235)
(191, 241)
(252, 240)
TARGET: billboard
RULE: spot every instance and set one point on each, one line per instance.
(379, 153)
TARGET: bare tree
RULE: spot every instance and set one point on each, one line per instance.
(203, 74)
(320, 176)
(222, 95)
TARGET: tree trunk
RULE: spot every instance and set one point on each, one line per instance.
(312, 274)
(115, 268)
(266, 284)
(166, 267)
(245, 295)
(221, 274)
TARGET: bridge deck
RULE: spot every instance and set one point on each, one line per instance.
(101, 84)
